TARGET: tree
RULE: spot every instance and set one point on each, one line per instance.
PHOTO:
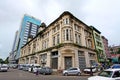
(118, 52)
(6, 60)
(111, 51)
(1, 61)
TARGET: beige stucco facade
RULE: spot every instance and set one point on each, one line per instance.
(66, 42)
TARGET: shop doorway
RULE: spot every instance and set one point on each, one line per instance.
(68, 62)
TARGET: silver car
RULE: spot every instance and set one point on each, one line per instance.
(4, 67)
(72, 71)
(45, 70)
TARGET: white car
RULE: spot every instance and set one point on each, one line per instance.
(34, 67)
(4, 67)
(108, 74)
(88, 69)
(72, 71)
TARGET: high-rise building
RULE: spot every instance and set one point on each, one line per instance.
(29, 27)
(14, 48)
(105, 44)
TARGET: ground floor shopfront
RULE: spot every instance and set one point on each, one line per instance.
(62, 58)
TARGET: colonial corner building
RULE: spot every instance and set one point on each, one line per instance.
(66, 42)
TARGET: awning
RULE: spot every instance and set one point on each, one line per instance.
(114, 59)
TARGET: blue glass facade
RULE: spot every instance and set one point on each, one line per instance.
(15, 41)
(27, 23)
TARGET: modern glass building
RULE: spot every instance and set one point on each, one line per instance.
(29, 27)
(14, 48)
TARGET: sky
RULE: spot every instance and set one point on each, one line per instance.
(102, 14)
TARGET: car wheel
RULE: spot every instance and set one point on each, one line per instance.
(66, 74)
(79, 74)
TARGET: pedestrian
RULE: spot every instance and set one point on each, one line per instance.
(36, 72)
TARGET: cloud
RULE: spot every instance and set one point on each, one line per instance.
(0, 46)
(104, 15)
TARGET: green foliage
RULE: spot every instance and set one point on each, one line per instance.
(1, 61)
(118, 52)
(6, 60)
(111, 51)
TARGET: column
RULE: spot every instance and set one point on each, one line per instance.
(29, 60)
(59, 61)
(76, 58)
(73, 60)
(73, 35)
(87, 59)
(69, 34)
(83, 37)
(48, 59)
(38, 59)
(61, 38)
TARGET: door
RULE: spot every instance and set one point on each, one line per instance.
(73, 71)
(116, 75)
(54, 63)
(68, 62)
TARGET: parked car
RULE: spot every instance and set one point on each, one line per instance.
(72, 71)
(115, 66)
(36, 68)
(88, 69)
(45, 70)
(4, 67)
(14, 66)
(25, 67)
(108, 74)
(20, 66)
(33, 67)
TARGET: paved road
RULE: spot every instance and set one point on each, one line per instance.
(14, 74)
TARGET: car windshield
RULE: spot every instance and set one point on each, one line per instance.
(72, 69)
(69, 68)
(116, 66)
(37, 66)
(4, 66)
(105, 73)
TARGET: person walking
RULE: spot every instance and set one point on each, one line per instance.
(36, 72)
